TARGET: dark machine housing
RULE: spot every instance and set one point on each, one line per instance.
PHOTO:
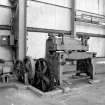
(66, 55)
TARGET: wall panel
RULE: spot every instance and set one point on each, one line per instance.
(89, 29)
(5, 2)
(41, 15)
(97, 45)
(90, 5)
(5, 16)
(36, 44)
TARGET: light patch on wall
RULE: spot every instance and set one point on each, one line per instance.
(89, 28)
(5, 2)
(100, 62)
(5, 16)
(97, 45)
(40, 15)
(36, 44)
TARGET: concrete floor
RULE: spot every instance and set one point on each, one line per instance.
(14, 96)
(86, 94)
(99, 64)
(81, 93)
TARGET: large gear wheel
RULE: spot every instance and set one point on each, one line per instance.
(45, 80)
(42, 75)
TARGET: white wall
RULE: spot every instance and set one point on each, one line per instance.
(5, 15)
(5, 2)
(41, 15)
(89, 28)
(36, 44)
(97, 45)
(90, 6)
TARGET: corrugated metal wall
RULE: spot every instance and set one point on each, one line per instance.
(42, 15)
(97, 45)
(5, 15)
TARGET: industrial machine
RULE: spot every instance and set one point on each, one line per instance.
(65, 56)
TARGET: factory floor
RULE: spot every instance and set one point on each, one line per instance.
(81, 93)
(86, 94)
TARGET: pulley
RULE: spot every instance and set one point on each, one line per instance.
(45, 79)
(42, 75)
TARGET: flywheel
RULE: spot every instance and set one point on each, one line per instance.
(42, 75)
(45, 79)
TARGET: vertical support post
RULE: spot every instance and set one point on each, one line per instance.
(104, 15)
(93, 71)
(104, 8)
(73, 18)
(21, 52)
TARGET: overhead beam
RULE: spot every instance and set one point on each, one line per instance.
(5, 27)
(43, 30)
(5, 6)
(33, 29)
(90, 34)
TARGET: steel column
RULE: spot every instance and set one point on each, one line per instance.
(21, 52)
(73, 34)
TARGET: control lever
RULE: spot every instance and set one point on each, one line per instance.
(62, 42)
